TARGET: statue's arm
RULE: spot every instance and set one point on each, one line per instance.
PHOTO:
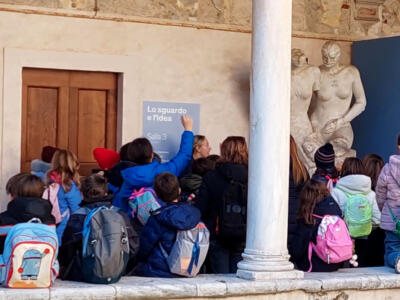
(359, 95)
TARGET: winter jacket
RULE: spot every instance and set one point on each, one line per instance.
(114, 176)
(388, 192)
(190, 187)
(161, 229)
(23, 209)
(40, 168)
(70, 252)
(353, 185)
(210, 196)
(294, 205)
(305, 233)
(143, 176)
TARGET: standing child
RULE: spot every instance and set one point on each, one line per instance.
(64, 172)
(326, 171)
(388, 198)
(314, 200)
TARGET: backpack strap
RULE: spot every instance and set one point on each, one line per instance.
(310, 248)
(317, 216)
(86, 227)
(394, 218)
(5, 229)
(194, 261)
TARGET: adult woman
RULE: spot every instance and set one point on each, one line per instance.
(201, 147)
(298, 175)
(223, 201)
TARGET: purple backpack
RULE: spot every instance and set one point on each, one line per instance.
(142, 203)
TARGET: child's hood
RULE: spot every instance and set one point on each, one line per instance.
(394, 167)
(354, 184)
(179, 216)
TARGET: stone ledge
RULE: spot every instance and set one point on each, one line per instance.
(203, 286)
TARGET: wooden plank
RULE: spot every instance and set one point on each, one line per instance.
(93, 80)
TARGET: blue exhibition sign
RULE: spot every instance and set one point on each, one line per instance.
(162, 125)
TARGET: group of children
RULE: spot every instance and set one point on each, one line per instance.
(195, 186)
(365, 193)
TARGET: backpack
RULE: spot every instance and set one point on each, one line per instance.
(30, 253)
(358, 215)
(105, 245)
(189, 251)
(142, 203)
(396, 222)
(334, 244)
(232, 213)
(50, 194)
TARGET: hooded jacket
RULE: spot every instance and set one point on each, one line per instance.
(23, 209)
(161, 228)
(388, 192)
(353, 185)
(211, 193)
(40, 168)
(143, 176)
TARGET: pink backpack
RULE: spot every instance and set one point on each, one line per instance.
(51, 194)
(334, 244)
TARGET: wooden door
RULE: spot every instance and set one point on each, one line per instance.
(70, 110)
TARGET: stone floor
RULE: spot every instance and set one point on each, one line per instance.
(220, 286)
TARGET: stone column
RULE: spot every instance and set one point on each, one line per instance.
(266, 255)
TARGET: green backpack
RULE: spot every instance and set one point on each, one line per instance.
(396, 221)
(358, 215)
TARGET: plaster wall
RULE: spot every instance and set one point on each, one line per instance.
(170, 63)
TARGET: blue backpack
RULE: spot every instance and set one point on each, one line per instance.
(30, 253)
(143, 202)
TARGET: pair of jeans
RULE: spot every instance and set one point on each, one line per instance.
(392, 248)
(222, 259)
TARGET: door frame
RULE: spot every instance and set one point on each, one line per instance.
(16, 59)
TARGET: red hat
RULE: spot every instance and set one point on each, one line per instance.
(106, 158)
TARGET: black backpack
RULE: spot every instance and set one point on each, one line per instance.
(232, 212)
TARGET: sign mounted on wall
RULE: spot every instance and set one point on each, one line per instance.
(162, 125)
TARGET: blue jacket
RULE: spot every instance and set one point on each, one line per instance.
(143, 176)
(162, 228)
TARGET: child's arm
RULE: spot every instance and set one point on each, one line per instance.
(381, 187)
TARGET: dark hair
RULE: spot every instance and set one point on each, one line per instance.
(352, 166)
(202, 165)
(140, 151)
(213, 157)
(123, 152)
(234, 150)
(373, 165)
(313, 192)
(25, 185)
(93, 187)
(331, 172)
(157, 156)
(48, 153)
(166, 186)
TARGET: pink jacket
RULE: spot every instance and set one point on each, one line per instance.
(388, 192)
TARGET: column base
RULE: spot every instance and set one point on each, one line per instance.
(258, 266)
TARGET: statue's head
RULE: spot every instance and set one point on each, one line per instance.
(330, 54)
(299, 59)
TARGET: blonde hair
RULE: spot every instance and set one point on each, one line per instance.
(234, 149)
(65, 163)
(300, 173)
(198, 142)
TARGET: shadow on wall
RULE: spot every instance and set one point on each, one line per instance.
(241, 75)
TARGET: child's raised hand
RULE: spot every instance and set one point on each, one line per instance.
(187, 122)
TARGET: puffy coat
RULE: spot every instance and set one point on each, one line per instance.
(388, 192)
(143, 176)
(23, 209)
(211, 192)
(305, 233)
(356, 184)
(161, 228)
(70, 253)
(40, 168)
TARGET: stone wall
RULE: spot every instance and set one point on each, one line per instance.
(348, 19)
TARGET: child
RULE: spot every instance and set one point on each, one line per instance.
(25, 191)
(64, 171)
(94, 191)
(140, 152)
(326, 171)
(162, 226)
(373, 164)
(388, 198)
(39, 167)
(353, 181)
(314, 199)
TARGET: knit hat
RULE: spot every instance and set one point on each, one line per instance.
(324, 157)
(106, 158)
(48, 152)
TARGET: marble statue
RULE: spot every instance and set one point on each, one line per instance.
(331, 109)
(304, 81)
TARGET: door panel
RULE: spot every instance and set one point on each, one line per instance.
(70, 110)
